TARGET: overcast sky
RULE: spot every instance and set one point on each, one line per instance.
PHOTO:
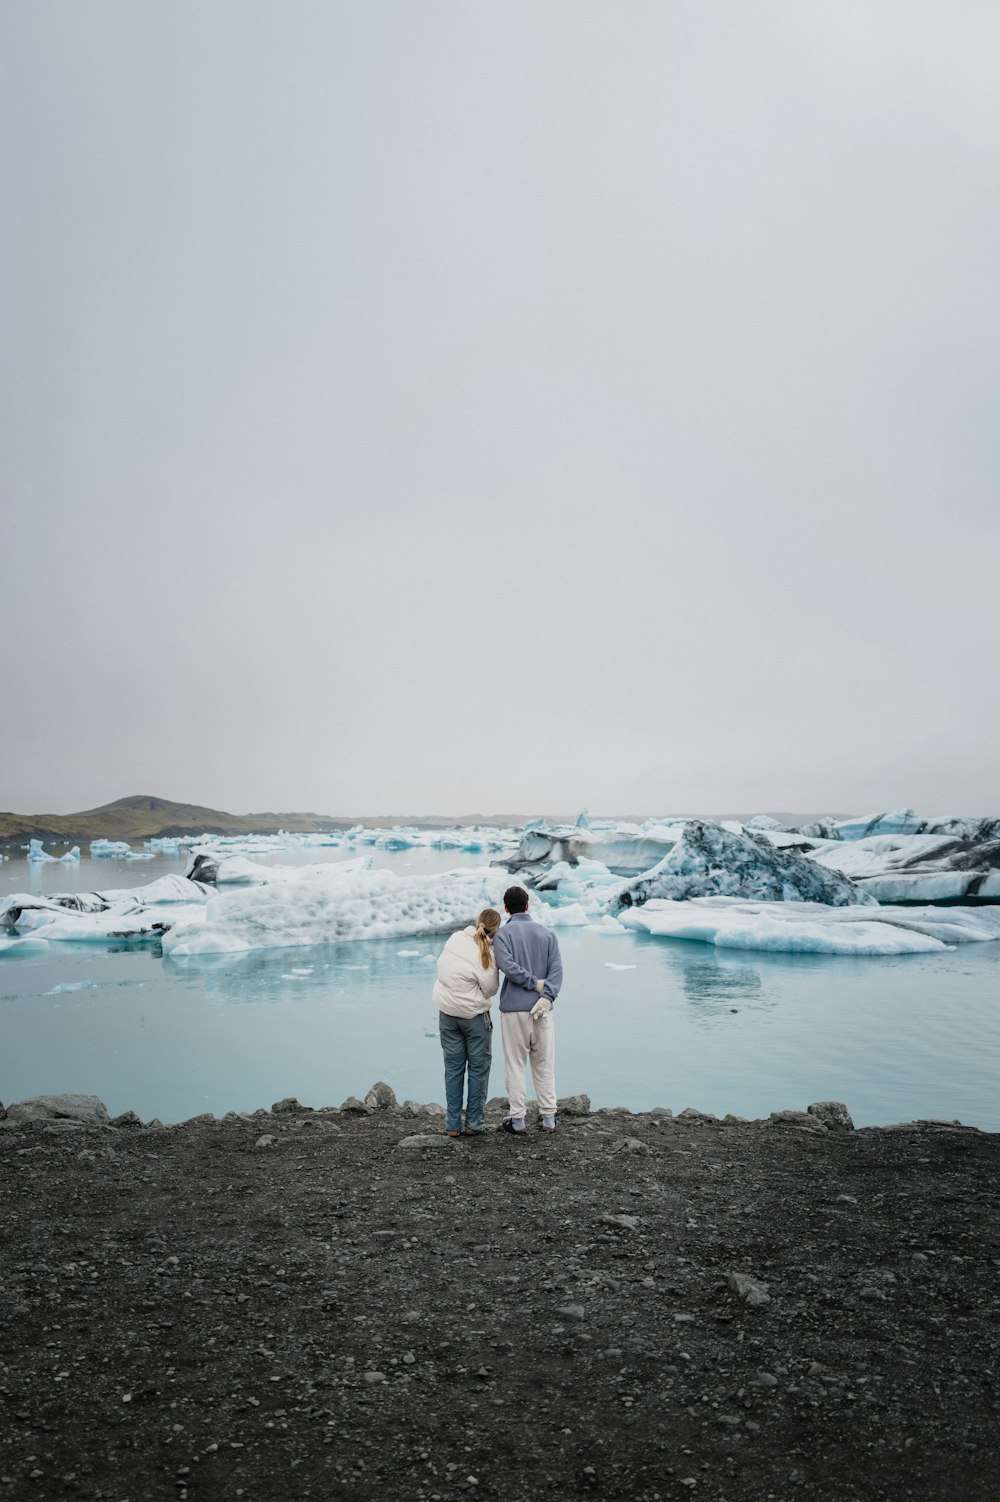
(415, 405)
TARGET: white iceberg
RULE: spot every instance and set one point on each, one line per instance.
(814, 928)
(624, 849)
(927, 867)
(326, 904)
(102, 850)
(119, 913)
(37, 855)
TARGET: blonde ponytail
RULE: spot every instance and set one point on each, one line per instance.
(487, 924)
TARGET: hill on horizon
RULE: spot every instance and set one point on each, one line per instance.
(144, 817)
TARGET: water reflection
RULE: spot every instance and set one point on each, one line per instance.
(348, 972)
(708, 981)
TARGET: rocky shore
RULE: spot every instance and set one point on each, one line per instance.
(346, 1303)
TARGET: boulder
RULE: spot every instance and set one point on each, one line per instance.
(800, 1119)
(288, 1104)
(85, 1109)
(126, 1119)
(356, 1107)
(573, 1105)
(381, 1097)
(833, 1114)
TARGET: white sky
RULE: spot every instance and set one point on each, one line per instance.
(501, 407)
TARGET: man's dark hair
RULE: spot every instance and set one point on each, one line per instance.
(515, 900)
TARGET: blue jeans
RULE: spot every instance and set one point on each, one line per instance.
(467, 1044)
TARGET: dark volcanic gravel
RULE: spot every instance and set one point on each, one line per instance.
(189, 1314)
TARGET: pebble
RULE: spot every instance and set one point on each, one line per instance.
(872, 1293)
(571, 1311)
(766, 1379)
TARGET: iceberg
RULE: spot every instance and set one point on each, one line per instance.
(117, 850)
(709, 861)
(327, 905)
(961, 865)
(119, 913)
(814, 928)
(37, 855)
(624, 849)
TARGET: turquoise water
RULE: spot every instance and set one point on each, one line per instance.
(912, 1036)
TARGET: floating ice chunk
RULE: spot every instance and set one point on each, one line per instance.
(609, 966)
(608, 926)
(571, 916)
(71, 985)
(623, 849)
(929, 867)
(23, 944)
(711, 861)
(115, 850)
(328, 904)
(814, 928)
(408, 954)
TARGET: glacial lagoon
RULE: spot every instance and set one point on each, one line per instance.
(642, 1021)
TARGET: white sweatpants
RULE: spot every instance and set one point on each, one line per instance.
(524, 1041)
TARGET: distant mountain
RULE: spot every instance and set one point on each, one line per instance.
(143, 818)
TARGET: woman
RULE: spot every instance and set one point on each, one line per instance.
(467, 980)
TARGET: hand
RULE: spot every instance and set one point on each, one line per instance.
(540, 987)
(542, 1008)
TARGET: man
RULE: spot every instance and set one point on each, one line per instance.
(529, 959)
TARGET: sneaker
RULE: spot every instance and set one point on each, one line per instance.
(453, 1134)
(512, 1124)
(548, 1123)
(472, 1131)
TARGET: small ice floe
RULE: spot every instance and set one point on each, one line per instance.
(408, 954)
(302, 970)
(71, 985)
(30, 944)
(815, 928)
(36, 854)
(609, 966)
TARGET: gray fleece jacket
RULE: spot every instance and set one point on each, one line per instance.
(526, 953)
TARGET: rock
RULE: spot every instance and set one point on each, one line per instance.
(266, 1141)
(431, 1109)
(872, 1293)
(630, 1145)
(427, 1139)
(571, 1311)
(800, 1119)
(287, 1105)
(573, 1105)
(197, 1120)
(766, 1379)
(833, 1114)
(126, 1119)
(730, 1120)
(690, 1114)
(355, 1107)
(381, 1097)
(661, 1111)
(748, 1289)
(87, 1110)
(621, 1222)
(613, 1111)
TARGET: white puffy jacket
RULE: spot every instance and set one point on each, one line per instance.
(463, 988)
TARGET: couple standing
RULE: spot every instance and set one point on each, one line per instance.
(468, 976)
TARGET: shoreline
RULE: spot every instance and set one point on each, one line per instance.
(315, 1304)
(69, 1110)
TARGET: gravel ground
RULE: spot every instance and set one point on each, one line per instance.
(297, 1305)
